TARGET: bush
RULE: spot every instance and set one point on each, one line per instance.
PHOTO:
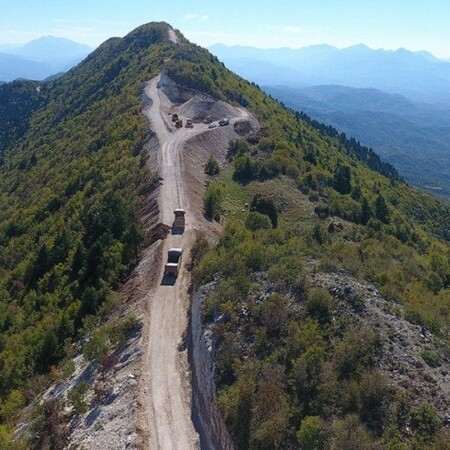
(320, 234)
(5, 437)
(97, 347)
(357, 351)
(213, 201)
(199, 249)
(245, 169)
(312, 434)
(431, 358)
(49, 427)
(350, 434)
(265, 206)
(256, 221)
(212, 167)
(76, 397)
(425, 420)
(318, 304)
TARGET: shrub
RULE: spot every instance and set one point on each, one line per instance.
(431, 358)
(358, 350)
(49, 428)
(424, 420)
(312, 434)
(76, 397)
(318, 304)
(5, 437)
(265, 206)
(212, 167)
(256, 221)
(245, 169)
(350, 434)
(213, 201)
(320, 234)
(375, 397)
(199, 249)
(97, 346)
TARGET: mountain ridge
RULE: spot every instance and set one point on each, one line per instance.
(76, 215)
(413, 74)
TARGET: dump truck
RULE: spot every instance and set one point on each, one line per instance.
(178, 223)
(173, 263)
(224, 121)
(189, 123)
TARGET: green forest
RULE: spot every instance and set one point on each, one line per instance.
(291, 372)
(73, 179)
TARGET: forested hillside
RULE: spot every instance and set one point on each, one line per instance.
(301, 363)
(73, 178)
(291, 368)
(414, 137)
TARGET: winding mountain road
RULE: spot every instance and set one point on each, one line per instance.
(167, 398)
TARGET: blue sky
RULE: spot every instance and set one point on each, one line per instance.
(390, 24)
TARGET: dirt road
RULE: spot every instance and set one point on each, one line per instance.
(167, 392)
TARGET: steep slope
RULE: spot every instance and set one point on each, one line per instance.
(75, 184)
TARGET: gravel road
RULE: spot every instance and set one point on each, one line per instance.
(167, 388)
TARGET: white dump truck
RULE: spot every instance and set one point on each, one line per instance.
(173, 263)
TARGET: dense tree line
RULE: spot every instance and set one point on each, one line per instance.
(72, 185)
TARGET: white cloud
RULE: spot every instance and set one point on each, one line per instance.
(292, 29)
(195, 16)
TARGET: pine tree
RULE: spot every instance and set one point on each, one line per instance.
(381, 209)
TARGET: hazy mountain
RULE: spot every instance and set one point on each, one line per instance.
(49, 48)
(415, 137)
(40, 58)
(418, 75)
(13, 67)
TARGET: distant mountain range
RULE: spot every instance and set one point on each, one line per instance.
(40, 58)
(418, 75)
(397, 102)
(414, 137)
